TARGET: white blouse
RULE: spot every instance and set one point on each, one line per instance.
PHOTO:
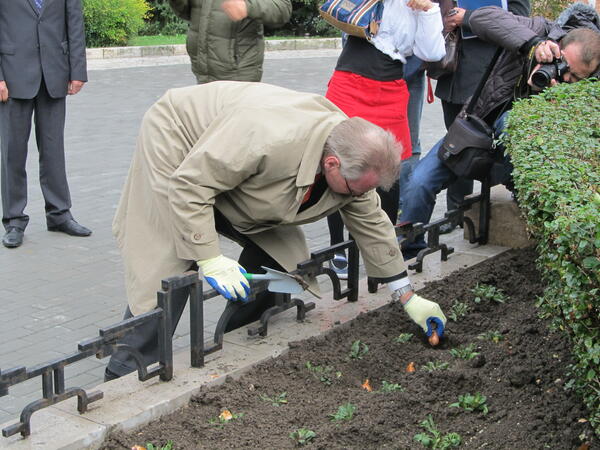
(404, 31)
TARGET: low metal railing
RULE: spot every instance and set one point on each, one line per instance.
(52, 373)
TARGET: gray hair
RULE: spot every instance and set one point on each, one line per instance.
(361, 146)
(590, 45)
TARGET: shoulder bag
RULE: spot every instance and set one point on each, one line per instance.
(356, 17)
(468, 148)
(448, 64)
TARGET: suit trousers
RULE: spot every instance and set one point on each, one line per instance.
(15, 128)
(145, 338)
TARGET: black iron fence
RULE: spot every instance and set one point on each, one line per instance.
(52, 373)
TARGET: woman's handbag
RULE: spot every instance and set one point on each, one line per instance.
(468, 148)
(356, 17)
(448, 64)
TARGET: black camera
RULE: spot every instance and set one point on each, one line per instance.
(547, 72)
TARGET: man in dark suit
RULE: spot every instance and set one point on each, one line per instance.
(42, 59)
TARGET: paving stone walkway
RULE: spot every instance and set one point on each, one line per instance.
(57, 290)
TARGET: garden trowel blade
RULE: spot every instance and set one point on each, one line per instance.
(282, 282)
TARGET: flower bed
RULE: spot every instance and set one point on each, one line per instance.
(497, 380)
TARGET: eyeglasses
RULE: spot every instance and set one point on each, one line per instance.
(350, 191)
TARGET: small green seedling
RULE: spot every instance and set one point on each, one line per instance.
(325, 374)
(276, 400)
(467, 352)
(472, 403)
(302, 436)
(432, 366)
(403, 338)
(167, 446)
(358, 350)
(434, 439)
(344, 412)
(488, 292)
(458, 310)
(494, 336)
(390, 387)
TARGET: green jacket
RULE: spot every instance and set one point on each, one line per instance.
(220, 49)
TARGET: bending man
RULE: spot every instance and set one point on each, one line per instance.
(251, 161)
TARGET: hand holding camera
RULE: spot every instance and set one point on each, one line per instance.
(547, 51)
(550, 68)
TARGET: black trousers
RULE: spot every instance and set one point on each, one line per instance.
(389, 204)
(145, 338)
(15, 127)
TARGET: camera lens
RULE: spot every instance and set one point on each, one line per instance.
(542, 77)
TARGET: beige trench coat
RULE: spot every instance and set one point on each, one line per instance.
(251, 150)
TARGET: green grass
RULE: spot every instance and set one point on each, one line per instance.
(180, 39)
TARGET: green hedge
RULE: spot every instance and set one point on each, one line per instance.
(162, 20)
(113, 22)
(554, 141)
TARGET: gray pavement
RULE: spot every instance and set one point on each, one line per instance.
(57, 290)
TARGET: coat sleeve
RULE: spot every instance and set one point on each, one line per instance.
(217, 163)
(181, 8)
(272, 13)
(76, 39)
(429, 41)
(374, 234)
(506, 30)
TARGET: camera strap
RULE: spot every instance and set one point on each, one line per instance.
(484, 78)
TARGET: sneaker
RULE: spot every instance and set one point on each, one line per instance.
(447, 228)
(339, 264)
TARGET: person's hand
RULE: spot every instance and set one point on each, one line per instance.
(426, 314)
(235, 9)
(546, 52)
(3, 91)
(75, 86)
(454, 19)
(420, 5)
(226, 276)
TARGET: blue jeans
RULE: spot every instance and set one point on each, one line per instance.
(430, 177)
(415, 81)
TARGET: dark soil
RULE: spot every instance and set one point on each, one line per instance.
(523, 377)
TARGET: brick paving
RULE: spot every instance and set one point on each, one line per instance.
(57, 290)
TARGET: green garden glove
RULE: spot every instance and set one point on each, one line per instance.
(226, 276)
(426, 313)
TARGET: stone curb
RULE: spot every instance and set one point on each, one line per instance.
(179, 49)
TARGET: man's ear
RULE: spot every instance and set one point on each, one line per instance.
(331, 162)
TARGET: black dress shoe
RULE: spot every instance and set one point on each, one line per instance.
(13, 237)
(72, 228)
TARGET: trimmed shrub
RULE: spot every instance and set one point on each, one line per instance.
(162, 20)
(113, 22)
(554, 141)
(549, 8)
(305, 20)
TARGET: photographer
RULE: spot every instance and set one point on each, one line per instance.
(537, 53)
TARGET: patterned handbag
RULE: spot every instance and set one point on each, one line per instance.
(356, 17)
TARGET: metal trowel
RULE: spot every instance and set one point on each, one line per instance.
(286, 283)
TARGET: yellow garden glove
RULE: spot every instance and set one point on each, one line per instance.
(426, 313)
(226, 276)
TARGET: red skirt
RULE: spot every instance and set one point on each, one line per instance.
(383, 103)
